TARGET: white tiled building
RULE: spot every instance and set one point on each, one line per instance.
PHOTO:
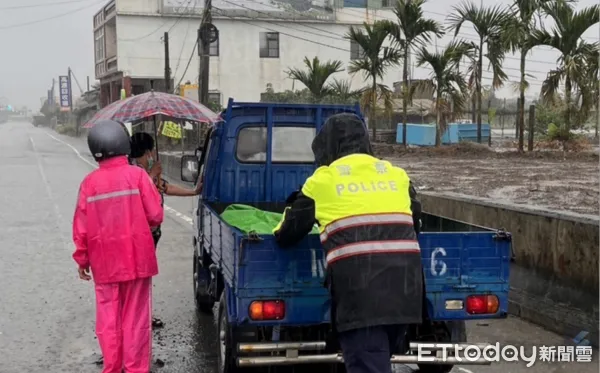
(258, 41)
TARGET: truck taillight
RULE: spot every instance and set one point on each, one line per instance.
(267, 310)
(482, 304)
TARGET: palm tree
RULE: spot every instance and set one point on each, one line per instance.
(384, 98)
(376, 58)
(449, 84)
(594, 87)
(341, 91)
(588, 93)
(412, 30)
(316, 75)
(517, 38)
(488, 23)
(566, 37)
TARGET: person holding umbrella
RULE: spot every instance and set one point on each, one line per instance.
(142, 154)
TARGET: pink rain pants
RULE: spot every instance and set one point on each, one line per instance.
(124, 325)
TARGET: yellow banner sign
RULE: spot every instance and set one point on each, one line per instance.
(172, 130)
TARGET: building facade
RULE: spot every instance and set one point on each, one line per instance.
(259, 40)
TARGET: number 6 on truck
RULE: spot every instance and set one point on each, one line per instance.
(437, 262)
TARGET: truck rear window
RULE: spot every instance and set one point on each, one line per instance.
(290, 145)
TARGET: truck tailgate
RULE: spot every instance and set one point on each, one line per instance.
(295, 275)
(455, 265)
(459, 264)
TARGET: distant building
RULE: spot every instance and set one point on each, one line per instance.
(258, 41)
(423, 91)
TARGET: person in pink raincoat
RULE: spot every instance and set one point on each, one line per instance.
(117, 206)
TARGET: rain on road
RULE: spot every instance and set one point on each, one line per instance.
(47, 313)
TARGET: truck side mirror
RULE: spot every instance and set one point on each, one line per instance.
(189, 168)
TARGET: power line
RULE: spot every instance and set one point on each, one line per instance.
(50, 18)
(179, 17)
(443, 21)
(326, 34)
(188, 64)
(464, 35)
(322, 44)
(307, 40)
(196, 44)
(187, 7)
(346, 50)
(187, 31)
(42, 5)
(335, 47)
(283, 33)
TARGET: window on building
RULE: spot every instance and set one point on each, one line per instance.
(387, 3)
(252, 145)
(99, 44)
(356, 51)
(269, 45)
(214, 48)
(355, 3)
(214, 97)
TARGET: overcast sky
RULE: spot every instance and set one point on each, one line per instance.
(40, 39)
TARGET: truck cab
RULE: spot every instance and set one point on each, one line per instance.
(273, 308)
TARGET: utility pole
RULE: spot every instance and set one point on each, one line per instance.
(204, 39)
(167, 64)
(52, 94)
(531, 127)
(88, 83)
(503, 115)
(518, 122)
(489, 105)
(70, 73)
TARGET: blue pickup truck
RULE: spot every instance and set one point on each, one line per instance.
(273, 309)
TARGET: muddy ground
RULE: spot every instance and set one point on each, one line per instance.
(551, 179)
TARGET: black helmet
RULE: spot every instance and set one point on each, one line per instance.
(108, 139)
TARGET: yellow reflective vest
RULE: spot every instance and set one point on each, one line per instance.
(362, 206)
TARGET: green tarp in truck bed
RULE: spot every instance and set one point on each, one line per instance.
(250, 219)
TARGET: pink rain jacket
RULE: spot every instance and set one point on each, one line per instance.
(117, 205)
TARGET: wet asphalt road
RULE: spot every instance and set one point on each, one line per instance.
(47, 313)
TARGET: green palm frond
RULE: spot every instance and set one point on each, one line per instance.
(376, 58)
(316, 75)
(411, 27)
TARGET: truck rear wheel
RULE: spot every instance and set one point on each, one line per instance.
(202, 298)
(226, 342)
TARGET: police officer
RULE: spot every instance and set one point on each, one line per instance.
(362, 206)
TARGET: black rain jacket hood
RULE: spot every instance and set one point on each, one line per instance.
(341, 135)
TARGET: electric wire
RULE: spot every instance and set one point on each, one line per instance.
(49, 18)
(160, 27)
(462, 34)
(188, 64)
(42, 5)
(187, 31)
(332, 46)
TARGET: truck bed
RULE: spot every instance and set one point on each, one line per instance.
(458, 259)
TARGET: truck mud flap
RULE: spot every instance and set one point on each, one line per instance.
(290, 354)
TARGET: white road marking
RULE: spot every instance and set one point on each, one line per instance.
(48, 190)
(169, 209)
(464, 370)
